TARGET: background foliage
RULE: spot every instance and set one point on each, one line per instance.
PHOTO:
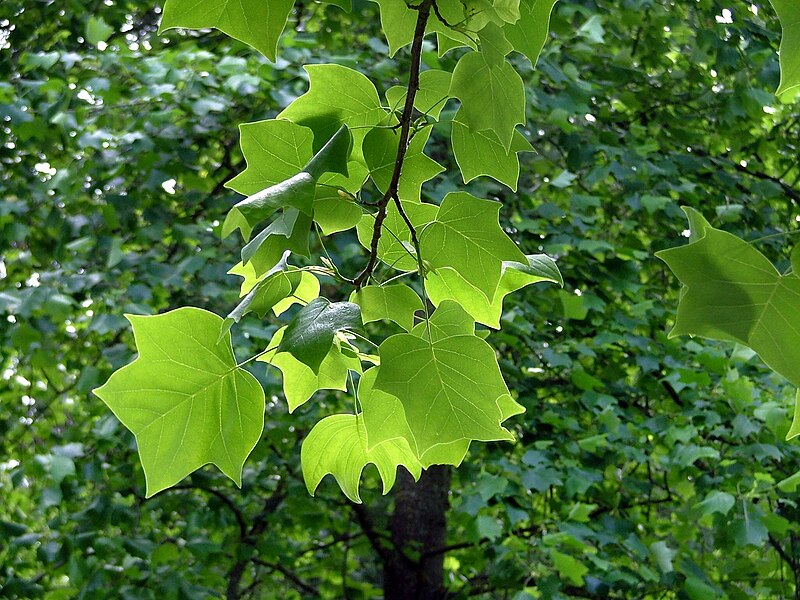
(646, 467)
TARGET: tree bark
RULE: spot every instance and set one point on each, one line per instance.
(418, 524)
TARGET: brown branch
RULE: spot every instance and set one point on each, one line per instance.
(782, 553)
(377, 541)
(423, 14)
(519, 532)
(240, 520)
(298, 583)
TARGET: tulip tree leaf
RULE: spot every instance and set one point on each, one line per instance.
(448, 388)
(337, 445)
(380, 152)
(789, 15)
(385, 419)
(273, 287)
(731, 291)
(274, 150)
(466, 236)
(254, 22)
(398, 22)
(529, 34)
(185, 399)
(396, 303)
(298, 191)
(300, 382)
(334, 212)
(289, 231)
(446, 283)
(305, 292)
(481, 153)
(492, 95)
(448, 320)
(310, 334)
(336, 96)
(395, 247)
(434, 90)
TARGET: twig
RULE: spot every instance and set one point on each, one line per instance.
(298, 583)
(423, 14)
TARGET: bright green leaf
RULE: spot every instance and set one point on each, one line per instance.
(310, 334)
(449, 388)
(185, 399)
(395, 247)
(300, 382)
(789, 15)
(380, 153)
(396, 303)
(254, 22)
(481, 153)
(529, 33)
(446, 283)
(466, 236)
(492, 96)
(337, 445)
(733, 292)
(336, 96)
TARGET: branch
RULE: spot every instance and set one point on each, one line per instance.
(376, 540)
(299, 583)
(423, 14)
(782, 553)
(519, 532)
(240, 520)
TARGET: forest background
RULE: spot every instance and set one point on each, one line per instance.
(646, 467)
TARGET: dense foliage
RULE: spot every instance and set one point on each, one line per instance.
(644, 467)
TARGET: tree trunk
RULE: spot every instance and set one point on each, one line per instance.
(418, 525)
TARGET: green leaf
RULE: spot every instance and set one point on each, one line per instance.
(492, 96)
(794, 429)
(275, 150)
(529, 34)
(185, 399)
(449, 388)
(332, 157)
(434, 90)
(789, 14)
(663, 556)
(385, 419)
(715, 502)
(568, 567)
(380, 153)
(481, 153)
(254, 22)
(398, 22)
(290, 231)
(300, 382)
(733, 292)
(276, 285)
(97, 30)
(446, 283)
(448, 320)
(296, 192)
(310, 334)
(334, 212)
(789, 485)
(337, 445)
(396, 303)
(466, 236)
(336, 96)
(304, 292)
(395, 247)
